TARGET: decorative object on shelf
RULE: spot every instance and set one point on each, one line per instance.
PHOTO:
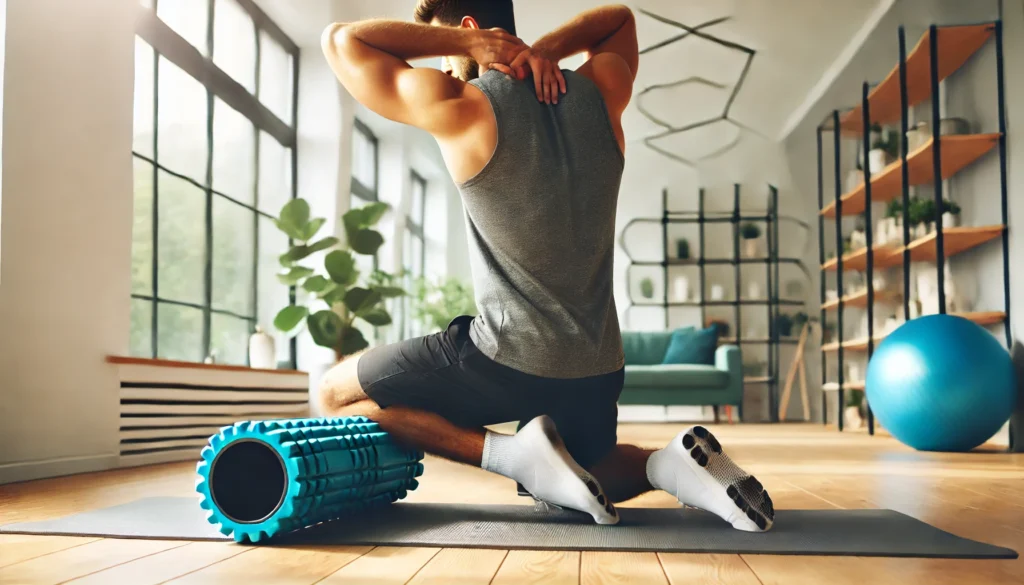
(683, 249)
(829, 331)
(927, 292)
(918, 136)
(750, 232)
(717, 292)
(784, 325)
(884, 148)
(682, 287)
(853, 179)
(941, 383)
(847, 245)
(754, 290)
(831, 295)
(647, 288)
(951, 215)
(262, 351)
(892, 322)
(879, 282)
(211, 358)
(851, 413)
(753, 369)
(858, 239)
(954, 126)
(344, 298)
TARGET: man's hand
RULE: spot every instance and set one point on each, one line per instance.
(547, 77)
(495, 48)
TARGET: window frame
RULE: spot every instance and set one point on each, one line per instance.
(357, 188)
(166, 43)
(414, 229)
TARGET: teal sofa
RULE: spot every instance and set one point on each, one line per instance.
(649, 381)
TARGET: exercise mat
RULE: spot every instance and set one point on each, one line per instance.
(797, 532)
(261, 479)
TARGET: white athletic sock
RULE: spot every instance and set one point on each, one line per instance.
(502, 455)
(537, 458)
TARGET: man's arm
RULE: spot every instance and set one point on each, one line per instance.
(369, 58)
(607, 29)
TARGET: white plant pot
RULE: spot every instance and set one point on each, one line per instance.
(851, 414)
(717, 292)
(853, 179)
(262, 351)
(950, 220)
(750, 248)
(877, 160)
(754, 291)
(682, 285)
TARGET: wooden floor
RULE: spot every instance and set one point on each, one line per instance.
(978, 495)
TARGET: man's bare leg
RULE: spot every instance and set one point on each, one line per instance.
(535, 456)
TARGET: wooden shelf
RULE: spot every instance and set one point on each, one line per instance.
(886, 255)
(833, 386)
(954, 241)
(955, 45)
(983, 318)
(958, 151)
(859, 299)
(757, 379)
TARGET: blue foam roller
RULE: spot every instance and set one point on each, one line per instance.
(259, 479)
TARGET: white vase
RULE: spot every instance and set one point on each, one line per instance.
(682, 285)
(853, 179)
(750, 248)
(262, 352)
(950, 220)
(717, 292)
(852, 416)
(877, 160)
(754, 290)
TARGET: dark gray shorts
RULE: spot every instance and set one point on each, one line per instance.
(446, 373)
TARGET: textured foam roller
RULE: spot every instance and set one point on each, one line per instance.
(264, 478)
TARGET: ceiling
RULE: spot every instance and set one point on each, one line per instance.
(781, 49)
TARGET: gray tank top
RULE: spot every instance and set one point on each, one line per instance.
(540, 218)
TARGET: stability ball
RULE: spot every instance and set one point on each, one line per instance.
(941, 383)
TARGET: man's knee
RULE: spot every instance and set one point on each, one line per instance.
(340, 386)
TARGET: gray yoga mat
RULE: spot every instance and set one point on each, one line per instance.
(798, 532)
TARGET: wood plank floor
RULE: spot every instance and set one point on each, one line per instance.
(977, 495)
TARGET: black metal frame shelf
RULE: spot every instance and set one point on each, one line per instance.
(772, 302)
(960, 44)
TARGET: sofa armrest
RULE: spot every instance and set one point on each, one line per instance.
(729, 359)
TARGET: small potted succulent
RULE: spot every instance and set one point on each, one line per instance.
(852, 414)
(647, 288)
(683, 249)
(951, 214)
(750, 232)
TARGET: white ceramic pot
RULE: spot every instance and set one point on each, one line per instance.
(831, 295)
(754, 290)
(750, 248)
(950, 220)
(262, 352)
(682, 285)
(877, 160)
(851, 414)
(853, 179)
(717, 292)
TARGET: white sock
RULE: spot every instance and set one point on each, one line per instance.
(537, 458)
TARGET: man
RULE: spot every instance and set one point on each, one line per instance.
(537, 154)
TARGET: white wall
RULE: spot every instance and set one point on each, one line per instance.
(969, 93)
(66, 237)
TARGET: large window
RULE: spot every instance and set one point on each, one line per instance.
(413, 256)
(214, 157)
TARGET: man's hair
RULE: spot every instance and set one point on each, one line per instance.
(488, 13)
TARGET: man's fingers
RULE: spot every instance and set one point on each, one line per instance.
(503, 68)
(538, 78)
(561, 78)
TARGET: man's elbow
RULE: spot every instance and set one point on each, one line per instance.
(335, 37)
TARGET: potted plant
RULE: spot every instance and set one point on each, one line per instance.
(341, 293)
(647, 288)
(437, 302)
(854, 400)
(750, 232)
(829, 330)
(880, 153)
(950, 214)
(784, 325)
(683, 249)
(799, 320)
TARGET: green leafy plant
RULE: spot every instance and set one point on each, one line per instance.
(337, 287)
(437, 302)
(854, 398)
(647, 288)
(683, 248)
(894, 208)
(951, 207)
(750, 230)
(784, 324)
(799, 319)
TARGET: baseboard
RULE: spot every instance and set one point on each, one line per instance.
(639, 413)
(29, 470)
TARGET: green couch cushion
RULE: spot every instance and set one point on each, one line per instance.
(646, 347)
(690, 346)
(675, 376)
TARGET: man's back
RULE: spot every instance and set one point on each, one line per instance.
(540, 218)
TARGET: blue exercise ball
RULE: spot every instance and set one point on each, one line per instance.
(941, 383)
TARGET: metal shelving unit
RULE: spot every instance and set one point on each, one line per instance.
(772, 302)
(941, 51)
